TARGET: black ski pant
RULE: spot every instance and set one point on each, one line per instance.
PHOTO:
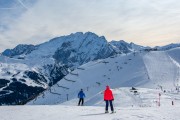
(107, 104)
(81, 101)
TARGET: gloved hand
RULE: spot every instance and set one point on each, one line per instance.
(112, 99)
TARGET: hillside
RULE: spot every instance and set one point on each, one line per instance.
(34, 68)
(151, 70)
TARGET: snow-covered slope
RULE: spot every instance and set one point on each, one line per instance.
(153, 70)
(175, 54)
(45, 64)
(59, 112)
(19, 82)
(125, 97)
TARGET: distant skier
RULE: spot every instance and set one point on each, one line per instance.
(108, 98)
(81, 97)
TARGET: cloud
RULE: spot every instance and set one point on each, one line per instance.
(146, 22)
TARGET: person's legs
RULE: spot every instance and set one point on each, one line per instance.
(111, 104)
(79, 101)
(107, 104)
(82, 101)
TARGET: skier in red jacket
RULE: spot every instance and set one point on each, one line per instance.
(108, 98)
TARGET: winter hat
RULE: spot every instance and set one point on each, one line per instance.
(107, 87)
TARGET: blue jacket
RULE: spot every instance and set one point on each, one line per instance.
(81, 94)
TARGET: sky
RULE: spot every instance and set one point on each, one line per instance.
(144, 22)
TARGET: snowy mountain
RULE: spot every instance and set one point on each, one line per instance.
(27, 70)
(168, 47)
(84, 48)
(124, 47)
(19, 50)
(121, 46)
(131, 70)
(45, 64)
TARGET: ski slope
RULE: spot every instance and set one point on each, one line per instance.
(161, 69)
(59, 112)
(158, 70)
(125, 97)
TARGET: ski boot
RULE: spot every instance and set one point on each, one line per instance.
(106, 111)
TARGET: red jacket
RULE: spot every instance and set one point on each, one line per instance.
(108, 94)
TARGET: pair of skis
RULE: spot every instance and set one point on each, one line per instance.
(111, 112)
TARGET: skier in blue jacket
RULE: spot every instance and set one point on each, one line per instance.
(81, 97)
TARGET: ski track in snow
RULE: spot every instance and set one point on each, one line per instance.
(161, 68)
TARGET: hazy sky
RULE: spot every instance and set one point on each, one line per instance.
(144, 22)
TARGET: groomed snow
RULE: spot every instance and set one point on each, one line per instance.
(141, 106)
(59, 112)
